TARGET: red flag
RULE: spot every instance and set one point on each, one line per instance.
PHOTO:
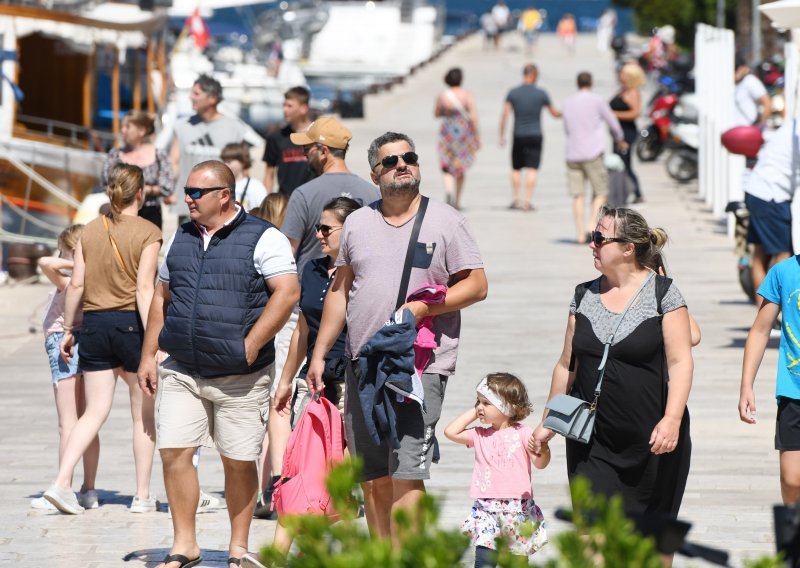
(198, 29)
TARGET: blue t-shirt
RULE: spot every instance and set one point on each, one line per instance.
(782, 287)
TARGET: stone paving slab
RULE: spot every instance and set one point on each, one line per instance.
(532, 267)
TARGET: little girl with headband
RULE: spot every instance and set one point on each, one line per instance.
(501, 476)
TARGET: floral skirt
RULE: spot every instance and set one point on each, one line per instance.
(520, 521)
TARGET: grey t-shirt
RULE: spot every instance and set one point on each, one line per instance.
(306, 204)
(200, 141)
(527, 102)
(376, 250)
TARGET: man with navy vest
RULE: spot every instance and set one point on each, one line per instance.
(227, 285)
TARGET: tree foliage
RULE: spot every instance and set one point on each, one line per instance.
(682, 14)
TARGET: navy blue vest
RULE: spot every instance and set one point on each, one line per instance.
(216, 297)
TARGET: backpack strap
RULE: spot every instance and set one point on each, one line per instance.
(580, 292)
(662, 287)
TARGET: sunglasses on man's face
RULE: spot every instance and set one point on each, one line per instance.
(198, 192)
(326, 230)
(389, 162)
(599, 239)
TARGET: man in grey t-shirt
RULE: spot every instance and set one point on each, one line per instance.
(526, 102)
(325, 143)
(202, 136)
(369, 269)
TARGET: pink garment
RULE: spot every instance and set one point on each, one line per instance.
(54, 313)
(502, 467)
(426, 339)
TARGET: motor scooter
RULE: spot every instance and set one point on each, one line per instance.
(682, 162)
(653, 138)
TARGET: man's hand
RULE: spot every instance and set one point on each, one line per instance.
(148, 376)
(250, 352)
(419, 309)
(623, 146)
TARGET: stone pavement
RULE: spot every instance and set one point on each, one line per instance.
(532, 266)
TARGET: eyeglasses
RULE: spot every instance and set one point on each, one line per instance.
(198, 192)
(599, 239)
(389, 162)
(326, 230)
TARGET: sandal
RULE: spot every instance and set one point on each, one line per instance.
(185, 562)
(527, 206)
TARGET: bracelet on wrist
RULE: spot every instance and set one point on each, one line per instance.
(67, 328)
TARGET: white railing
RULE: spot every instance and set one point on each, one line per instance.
(720, 173)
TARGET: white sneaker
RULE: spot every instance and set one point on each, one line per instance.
(64, 500)
(207, 502)
(88, 499)
(42, 503)
(139, 505)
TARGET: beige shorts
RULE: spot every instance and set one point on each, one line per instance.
(594, 170)
(228, 412)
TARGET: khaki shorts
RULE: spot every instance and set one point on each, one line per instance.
(593, 170)
(228, 412)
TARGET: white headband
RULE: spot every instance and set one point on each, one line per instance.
(484, 390)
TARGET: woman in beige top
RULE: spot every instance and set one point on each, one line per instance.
(114, 275)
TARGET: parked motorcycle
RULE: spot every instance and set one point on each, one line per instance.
(682, 162)
(653, 138)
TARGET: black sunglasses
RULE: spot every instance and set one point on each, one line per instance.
(198, 192)
(326, 230)
(388, 162)
(307, 149)
(599, 239)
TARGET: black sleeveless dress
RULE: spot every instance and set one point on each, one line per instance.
(618, 460)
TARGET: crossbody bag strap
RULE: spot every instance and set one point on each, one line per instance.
(116, 249)
(601, 369)
(244, 192)
(412, 245)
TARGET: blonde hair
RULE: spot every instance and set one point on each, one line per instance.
(272, 209)
(124, 183)
(647, 241)
(142, 120)
(69, 237)
(511, 389)
(632, 76)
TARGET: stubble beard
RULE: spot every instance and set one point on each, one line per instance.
(402, 187)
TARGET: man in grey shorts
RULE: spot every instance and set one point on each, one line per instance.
(227, 285)
(369, 270)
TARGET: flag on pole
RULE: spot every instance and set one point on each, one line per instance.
(198, 29)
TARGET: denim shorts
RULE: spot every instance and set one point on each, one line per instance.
(60, 369)
(111, 339)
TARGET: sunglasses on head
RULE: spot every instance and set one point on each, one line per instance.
(326, 230)
(388, 162)
(198, 192)
(599, 239)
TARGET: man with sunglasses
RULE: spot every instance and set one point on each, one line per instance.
(227, 285)
(372, 255)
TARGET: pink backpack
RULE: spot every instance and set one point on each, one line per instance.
(315, 446)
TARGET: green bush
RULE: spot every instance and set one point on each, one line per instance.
(602, 536)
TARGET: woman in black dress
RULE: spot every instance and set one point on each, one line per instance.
(627, 107)
(640, 448)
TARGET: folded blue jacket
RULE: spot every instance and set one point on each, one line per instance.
(387, 359)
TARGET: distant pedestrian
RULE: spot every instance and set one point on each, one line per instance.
(202, 136)
(490, 31)
(529, 23)
(159, 181)
(586, 118)
(115, 267)
(606, 26)
(501, 488)
(285, 160)
(250, 192)
(364, 294)
(459, 135)
(67, 379)
(526, 102)
(567, 30)
(502, 17)
(627, 107)
(749, 94)
(226, 286)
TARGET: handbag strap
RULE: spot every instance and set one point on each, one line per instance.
(412, 245)
(116, 249)
(601, 369)
(244, 192)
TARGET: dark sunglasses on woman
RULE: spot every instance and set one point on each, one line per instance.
(388, 162)
(326, 230)
(599, 239)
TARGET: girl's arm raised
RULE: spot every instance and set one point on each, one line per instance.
(52, 266)
(456, 431)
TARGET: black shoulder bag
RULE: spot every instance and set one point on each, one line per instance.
(412, 245)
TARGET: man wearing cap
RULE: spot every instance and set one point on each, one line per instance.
(372, 251)
(325, 144)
